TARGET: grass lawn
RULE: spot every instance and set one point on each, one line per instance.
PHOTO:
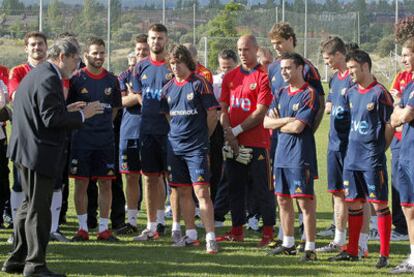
(235, 259)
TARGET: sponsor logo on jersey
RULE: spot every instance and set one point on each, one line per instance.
(184, 112)
(108, 91)
(190, 96)
(295, 107)
(84, 91)
(361, 127)
(253, 86)
(244, 103)
(144, 77)
(370, 106)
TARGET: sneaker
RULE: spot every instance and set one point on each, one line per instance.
(127, 229)
(265, 241)
(147, 235)
(81, 235)
(328, 232)
(230, 237)
(343, 256)
(107, 236)
(283, 250)
(309, 256)
(186, 241)
(382, 262)
(397, 236)
(374, 234)
(10, 240)
(301, 246)
(362, 252)
(176, 236)
(212, 247)
(275, 243)
(253, 224)
(331, 247)
(161, 230)
(403, 267)
(58, 236)
(168, 212)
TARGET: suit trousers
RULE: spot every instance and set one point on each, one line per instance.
(33, 220)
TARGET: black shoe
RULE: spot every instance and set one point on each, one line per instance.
(382, 262)
(343, 256)
(13, 268)
(161, 230)
(309, 256)
(283, 250)
(127, 229)
(44, 273)
(301, 246)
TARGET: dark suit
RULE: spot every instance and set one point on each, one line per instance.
(37, 145)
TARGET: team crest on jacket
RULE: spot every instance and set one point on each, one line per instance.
(84, 91)
(370, 106)
(168, 76)
(411, 95)
(253, 86)
(190, 96)
(295, 107)
(108, 91)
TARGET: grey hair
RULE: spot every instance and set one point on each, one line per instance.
(63, 46)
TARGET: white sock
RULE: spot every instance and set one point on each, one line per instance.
(55, 210)
(176, 226)
(280, 233)
(192, 234)
(83, 222)
(288, 241)
(132, 217)
(210, 236)
(373, 222)
(411, 258)
(363, 240)
(340, 237)
(310, 245)
(161, 217)
(16, 200)
(152, 226)
(103, 224)
(334, 219)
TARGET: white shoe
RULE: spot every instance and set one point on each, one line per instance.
(397, 236)
(328, 232)
(374, 234)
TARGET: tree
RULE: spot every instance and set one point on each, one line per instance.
(116, 10)
(12, 7)
(55, 21)
(91, 22)
(213, 4)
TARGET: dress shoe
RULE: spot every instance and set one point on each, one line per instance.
(43, 273)
(13, 268)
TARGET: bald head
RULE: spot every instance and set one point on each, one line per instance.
(247, 49)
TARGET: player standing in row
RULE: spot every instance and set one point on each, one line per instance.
(151, 74)
(188, 100)
(404, 114)
(365, 175)
(129, 156)
(245, 99)
(293, 113)
(92, 147)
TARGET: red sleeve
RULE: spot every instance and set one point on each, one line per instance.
(225, 90)
(264, 96)
(396, 82)
(4, 74)
(14, 80)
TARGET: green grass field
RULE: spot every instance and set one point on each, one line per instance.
(235, 259)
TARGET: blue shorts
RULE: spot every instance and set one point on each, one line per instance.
(153, 154)
(406, 183)
(293, 182)
(362, 185)
(335, 166)
(188, 169)
(129, 162)
(92, 164)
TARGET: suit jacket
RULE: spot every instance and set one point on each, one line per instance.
(41, 122)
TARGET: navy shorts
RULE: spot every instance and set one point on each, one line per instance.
(335, 167)
(362, 185)
(129, 162)
(92, 164)
(153, 150)
(406, 183)
(188, 169)
(294, 182)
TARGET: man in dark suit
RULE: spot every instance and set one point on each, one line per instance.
(40, 122)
